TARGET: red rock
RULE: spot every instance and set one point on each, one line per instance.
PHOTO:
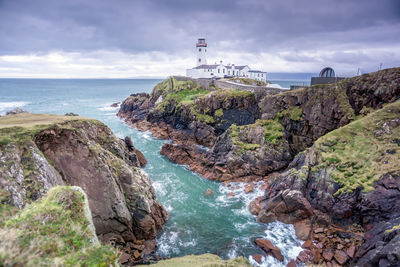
(255, 206)
(137, 254)
(248, 188)
(340, 246)
(319, 245)
(208, 192)
(124, 258)
(302, 229)
(340, 257)
(269, 248)
(308, 244)
(257, 258)
(291, 263)
(327, 255)
(316, 255)
(231, 194)
(351, 251)
(303, 256)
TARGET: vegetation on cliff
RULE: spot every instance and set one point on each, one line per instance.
(55, 230)
(204, 260)
(362, 151)
(42, 151)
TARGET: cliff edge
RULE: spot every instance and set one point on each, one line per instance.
(39, 151)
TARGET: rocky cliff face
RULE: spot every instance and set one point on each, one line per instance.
(348, 177)
(252, 135)
(84, 153)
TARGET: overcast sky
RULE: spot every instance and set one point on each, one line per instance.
(130, 38)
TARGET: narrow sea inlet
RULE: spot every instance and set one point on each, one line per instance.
(198, 223)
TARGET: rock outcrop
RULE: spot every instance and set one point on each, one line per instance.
(59, 150)
(57, 230)
(349, 176)
(250, 135)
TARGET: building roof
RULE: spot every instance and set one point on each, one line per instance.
(257, 71)
(207, 66)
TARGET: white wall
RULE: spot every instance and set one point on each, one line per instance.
(201, 56)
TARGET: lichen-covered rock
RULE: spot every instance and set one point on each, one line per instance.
(82, 152)
(381, 246)
(55, 230)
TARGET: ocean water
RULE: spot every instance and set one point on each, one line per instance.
(197, 223)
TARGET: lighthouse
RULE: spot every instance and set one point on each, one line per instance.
(201, 48)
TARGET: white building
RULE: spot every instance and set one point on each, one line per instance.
(220, 70)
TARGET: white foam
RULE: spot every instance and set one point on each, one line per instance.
(280, 234)
(108, 108)
(6, 106)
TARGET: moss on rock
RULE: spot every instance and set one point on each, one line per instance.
(55, 230)
(204, 260)
(362, 151)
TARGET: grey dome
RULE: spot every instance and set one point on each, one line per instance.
(327, 72)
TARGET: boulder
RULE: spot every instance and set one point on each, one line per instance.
(269, 248)
(257, 258)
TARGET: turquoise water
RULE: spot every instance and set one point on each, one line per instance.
(197, 223)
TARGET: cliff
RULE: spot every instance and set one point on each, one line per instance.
(55, 230)
(249, 135)
(38, 152)
(328, 152)
(348, 177)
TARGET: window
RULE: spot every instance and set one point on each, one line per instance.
(218, 70)
(199, 49)
(204, 70)
(205, 50)
(199, 59)
(223, 70)
(229, 72)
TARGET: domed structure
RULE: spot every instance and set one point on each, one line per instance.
(326, 76)
(327, 72)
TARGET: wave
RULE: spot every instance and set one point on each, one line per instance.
(108, 108)
(6, 106)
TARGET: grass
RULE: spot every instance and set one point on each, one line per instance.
(56, 230)
(204, 260)
(231, 93)
(248, 81)
(22, 127)
(293, 112)
(273, 133)
(357, 157)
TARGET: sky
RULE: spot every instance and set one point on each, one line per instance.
(156, 38)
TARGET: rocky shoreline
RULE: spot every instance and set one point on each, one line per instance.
(230, 135)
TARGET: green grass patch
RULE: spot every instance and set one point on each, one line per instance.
(54, 231)
(219, 112)
(21, 128)
(204, 260)
(248, 81)
(294, 113)
(358, 157)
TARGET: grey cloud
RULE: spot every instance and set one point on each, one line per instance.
(172, 26)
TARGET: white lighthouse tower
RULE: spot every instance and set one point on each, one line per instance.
(201, 48)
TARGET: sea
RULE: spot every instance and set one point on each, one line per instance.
(198, 223)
